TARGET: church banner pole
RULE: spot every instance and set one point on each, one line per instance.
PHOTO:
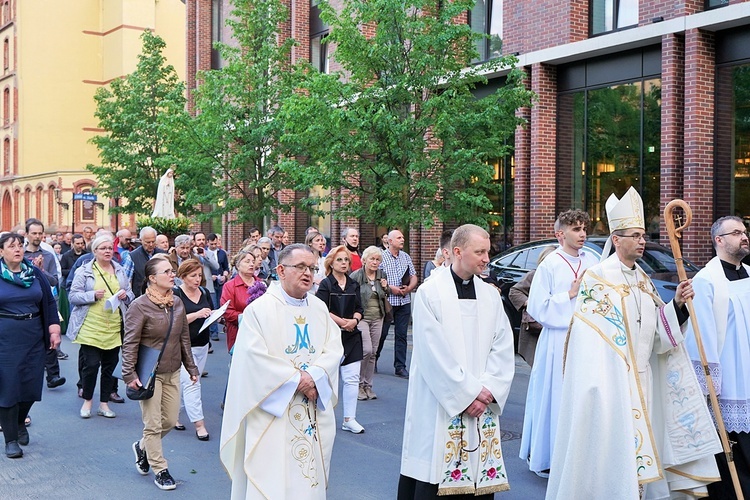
(675, 233)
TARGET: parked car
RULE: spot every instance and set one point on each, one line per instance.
(509, 267)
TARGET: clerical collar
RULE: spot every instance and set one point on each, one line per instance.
(732, 272)
(291, 300)
(465, 288)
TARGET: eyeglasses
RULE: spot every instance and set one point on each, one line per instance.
(168, 272)
(635, 237)
(302, 268)
(342, 259)
(105, 248)
(738, 233)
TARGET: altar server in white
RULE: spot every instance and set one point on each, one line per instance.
(552, 297)
(722, 308)
(278, 427)
(633, 423)
(461, 370)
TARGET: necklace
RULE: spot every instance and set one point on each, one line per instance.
(636, 294)
(575, 271)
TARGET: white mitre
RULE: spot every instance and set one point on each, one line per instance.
(625, 213)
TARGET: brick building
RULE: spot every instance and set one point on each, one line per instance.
(649, 93)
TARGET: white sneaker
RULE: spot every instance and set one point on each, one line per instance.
(352, 426)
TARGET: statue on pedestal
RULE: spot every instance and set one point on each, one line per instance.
(164, 205)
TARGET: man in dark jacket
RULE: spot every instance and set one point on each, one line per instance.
(70, 257)
(141, 255)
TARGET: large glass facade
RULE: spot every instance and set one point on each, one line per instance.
(609, 139)
(501, 231)
(733, 141)
(487, 18)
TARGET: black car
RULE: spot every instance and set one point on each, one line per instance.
(509, 267)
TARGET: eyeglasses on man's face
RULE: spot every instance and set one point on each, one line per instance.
(302, 268)
(737, 233)
(635, 236)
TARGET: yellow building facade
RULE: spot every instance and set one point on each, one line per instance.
(55, 55)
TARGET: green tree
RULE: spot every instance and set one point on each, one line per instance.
(142, 114)
(234, 151)
(399, 128)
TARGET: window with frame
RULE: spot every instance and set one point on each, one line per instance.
(712, 4)
(612, 15)
(6, 54)
(319, 52)
(486, 18)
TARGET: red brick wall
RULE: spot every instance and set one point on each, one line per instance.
(672, 122)
(529, 26)
(523, 178)
(699, 148)
(649, 9)
(543, 151)
(198, 46)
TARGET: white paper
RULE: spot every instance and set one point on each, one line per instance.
(112, 303)
(215, 315)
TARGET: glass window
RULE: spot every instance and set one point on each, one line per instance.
(711, 4)
(611, 15)
(732, 139)
(319, 53)
(486, 18)
(608, 140)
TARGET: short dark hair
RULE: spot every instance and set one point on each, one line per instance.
(212, 237)
(33, 222)
(252, 230)
(77, 236)
(10, 237)
(276, 230)
(445, 239)
(197, 233)
(571, 217)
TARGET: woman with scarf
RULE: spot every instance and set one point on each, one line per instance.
(29, 325)
(94, 326)
(240, 291)
(147, 322)
(341, 295)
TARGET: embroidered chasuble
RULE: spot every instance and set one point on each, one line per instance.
(274, 442)
(722, 307)
(454, 356)
(632, 412)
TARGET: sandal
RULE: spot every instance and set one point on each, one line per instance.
(179, 427)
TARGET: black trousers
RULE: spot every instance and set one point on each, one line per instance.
(412, 489)
(93, 359)
(724, 490)
(12, 418)
(51, 364)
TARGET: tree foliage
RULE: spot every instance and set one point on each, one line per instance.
(142, 115)
(398, 128)
(234, 151)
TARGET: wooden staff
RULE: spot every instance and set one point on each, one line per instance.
(675, 233)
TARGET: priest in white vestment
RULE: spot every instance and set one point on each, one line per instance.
(552, 297)
(722, 309)
(633, 422)
(461, 371)
(278, 426)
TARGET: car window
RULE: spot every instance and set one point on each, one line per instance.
(507, 261)
(532, 257)
(519, 260)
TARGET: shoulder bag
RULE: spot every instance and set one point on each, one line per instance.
(146, 366)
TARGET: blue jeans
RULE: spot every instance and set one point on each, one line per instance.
(401, 316)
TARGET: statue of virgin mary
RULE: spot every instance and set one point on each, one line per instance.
(164, 205)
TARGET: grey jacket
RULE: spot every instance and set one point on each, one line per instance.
(81, 295)
(365, 290)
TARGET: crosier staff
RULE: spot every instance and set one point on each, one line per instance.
(675, 233)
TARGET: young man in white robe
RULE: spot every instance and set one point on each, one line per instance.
(633, 423)
(552, 297)
(278, 426)
(722, 309)
(461, 370)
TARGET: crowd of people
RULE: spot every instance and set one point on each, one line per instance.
(610, 360)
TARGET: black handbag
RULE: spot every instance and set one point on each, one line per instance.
(147, 391)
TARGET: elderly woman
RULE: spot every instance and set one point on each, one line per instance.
(317, 242)
(342, 297)
(96, 326)
(29, 325)
(240, 291)
(197, 302)
(373, 287)
(148, 322)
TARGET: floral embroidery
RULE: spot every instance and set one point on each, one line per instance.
(605, 308)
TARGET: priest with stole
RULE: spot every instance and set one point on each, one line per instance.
(633, 423)
(278, 428)
(461, 371)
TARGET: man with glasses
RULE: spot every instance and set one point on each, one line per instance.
(722, 295)
(277, 432)
(265, 245)
(632, 421)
